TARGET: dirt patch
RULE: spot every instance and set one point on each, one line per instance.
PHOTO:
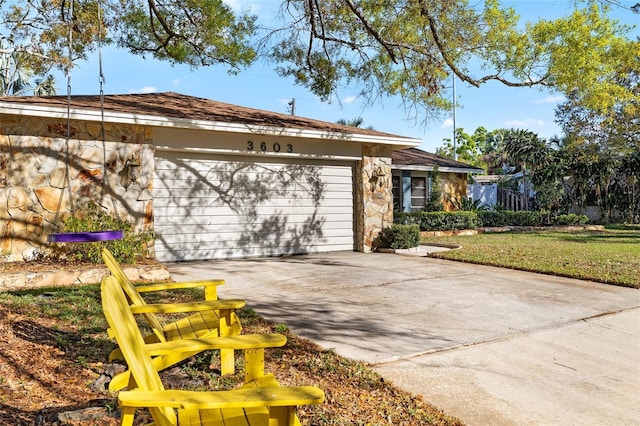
(54, 371)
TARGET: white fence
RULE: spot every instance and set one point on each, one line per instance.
(486, 193)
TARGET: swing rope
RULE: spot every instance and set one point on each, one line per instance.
(89, 236)
(67, 173)
(101, 81)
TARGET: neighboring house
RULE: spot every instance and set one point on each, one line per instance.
(412, 171)
(211, 180)
(505, 190)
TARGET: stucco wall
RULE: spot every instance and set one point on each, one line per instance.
(35, 195)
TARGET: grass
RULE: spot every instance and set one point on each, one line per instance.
(53, 342)
(611, 256)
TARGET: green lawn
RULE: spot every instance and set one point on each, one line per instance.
(609, 256)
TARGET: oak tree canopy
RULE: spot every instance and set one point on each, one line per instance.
(405, 48)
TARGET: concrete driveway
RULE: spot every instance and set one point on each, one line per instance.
(487, 345)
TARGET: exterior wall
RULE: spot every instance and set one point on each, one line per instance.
(35, 196)
(373, 197)
(454, 187)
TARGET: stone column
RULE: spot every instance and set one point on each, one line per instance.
(374, 199)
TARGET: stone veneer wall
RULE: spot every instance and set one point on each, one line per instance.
(374, 199)
(454, 187)
(35, 196)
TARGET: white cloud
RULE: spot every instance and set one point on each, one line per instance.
(447, 123)
(349, 99)
(176, 81)
(243, 5)
(551, 99)
(145, 89)
(524, 123)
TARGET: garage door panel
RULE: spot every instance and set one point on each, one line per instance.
(251, 252)
(343, 200)
(187, 192)
(203, 225)
(211, 208)
(286, 174)
(189, 167)
(265, 211)
(229, 239)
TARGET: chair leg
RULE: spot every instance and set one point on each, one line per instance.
(127, 416)
(253, 364)
(227, 362)
(283, 416)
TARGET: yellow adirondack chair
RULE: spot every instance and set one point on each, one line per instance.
(259, 402)
(208, 318)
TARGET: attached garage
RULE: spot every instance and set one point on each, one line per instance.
(211, 180)
(215, 207)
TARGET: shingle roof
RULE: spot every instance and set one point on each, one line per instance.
(418, 157)
(178, 106)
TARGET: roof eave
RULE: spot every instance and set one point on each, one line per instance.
(183, 123)
(443, 169)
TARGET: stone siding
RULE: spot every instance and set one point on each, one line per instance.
(46, 177)
(374, 200)
(454, 187)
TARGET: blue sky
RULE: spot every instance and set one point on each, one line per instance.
(492, 106)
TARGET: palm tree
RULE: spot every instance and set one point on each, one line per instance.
(354, 122)
(526, 149)
(15, 76)
(45, 87)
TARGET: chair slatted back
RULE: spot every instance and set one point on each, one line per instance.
(126, 332)
(132, 294)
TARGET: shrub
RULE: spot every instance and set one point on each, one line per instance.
(439, 221)
(448, 221)
(399, 237)
(127, 250)
(526, 218)
(452, 221)
(434, 201)
(492, 218)
(466, 204)
(571, 219)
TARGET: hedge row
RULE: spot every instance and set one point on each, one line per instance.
(453, 221)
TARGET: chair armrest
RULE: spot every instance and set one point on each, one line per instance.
(243, 341)
(238, 398)
(210, 287)
(200, 306)
(178, 285)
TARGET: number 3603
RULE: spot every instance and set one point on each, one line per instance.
(264, 147)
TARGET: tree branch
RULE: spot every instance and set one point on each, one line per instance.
(371, 31)
(462, 76)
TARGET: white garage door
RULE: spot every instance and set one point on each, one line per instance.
(218, 208)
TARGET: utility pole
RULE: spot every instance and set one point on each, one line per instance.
(455, 100)
(292, 105)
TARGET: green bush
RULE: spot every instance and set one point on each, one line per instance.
(439, 221)
(526, 218)
(571, 219)
(493, 218)
(453, 221)
(127, 250)
(405, 218)
(399, 237)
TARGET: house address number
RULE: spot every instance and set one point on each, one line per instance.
(264, 147)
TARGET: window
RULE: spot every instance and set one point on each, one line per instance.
(396, 192)
(418, 193)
